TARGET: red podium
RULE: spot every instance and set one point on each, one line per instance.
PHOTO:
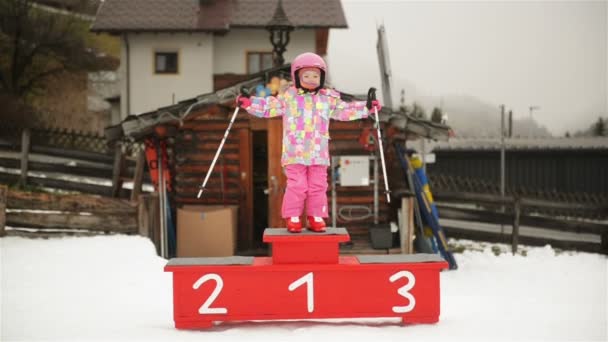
(305, 278)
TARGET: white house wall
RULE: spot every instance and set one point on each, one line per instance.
(201, 55)
(149, 91)
(230, 54)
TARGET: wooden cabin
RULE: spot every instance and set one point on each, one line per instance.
(248, 172)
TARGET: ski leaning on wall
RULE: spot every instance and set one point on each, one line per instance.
(428, 210)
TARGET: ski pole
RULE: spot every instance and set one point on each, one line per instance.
(371, 95)
(217, 154)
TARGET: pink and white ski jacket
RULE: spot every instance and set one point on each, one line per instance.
(306, 121)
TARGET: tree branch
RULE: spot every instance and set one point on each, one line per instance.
(38, 78)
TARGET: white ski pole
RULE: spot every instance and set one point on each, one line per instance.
(217, 154)
(371, 94)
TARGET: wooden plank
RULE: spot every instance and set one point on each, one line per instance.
(72, 154)
(533, 221)
(460, 233)
(515, 234)
(359, 200)
(138, 176)
(202, 169)
(64, 185)
(153, 220)
(196, 180)
(215, 125)
(473, 215)
(245, 226)
(212, 136)
(604, 244)
(529, 202)
(73, 203)
(3, 200)
(464, 197)
(91, 171)
(216, 189)
(25, 151)
(145, 206)
(477, 198)
(206, 146)
(407, 225)
(105, 222)
(190, 198)
(117, 170)
(230, 157)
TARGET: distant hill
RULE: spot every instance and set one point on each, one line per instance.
(592, 129)
(471, 117)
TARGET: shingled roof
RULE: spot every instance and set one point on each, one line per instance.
(117, 16)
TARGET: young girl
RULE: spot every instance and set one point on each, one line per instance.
(306, 108)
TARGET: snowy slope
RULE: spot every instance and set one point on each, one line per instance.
(114, 288)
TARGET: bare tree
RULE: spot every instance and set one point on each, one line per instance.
(36, 43)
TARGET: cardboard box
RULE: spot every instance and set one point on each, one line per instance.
(206, 230)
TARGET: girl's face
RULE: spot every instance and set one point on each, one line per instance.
(310, 78)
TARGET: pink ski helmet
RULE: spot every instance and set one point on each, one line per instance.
(307, 60)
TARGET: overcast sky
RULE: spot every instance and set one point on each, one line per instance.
(552, 54)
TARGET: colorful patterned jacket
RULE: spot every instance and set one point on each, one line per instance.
(306, 121)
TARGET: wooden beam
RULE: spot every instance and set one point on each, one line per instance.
(515, 233)
(463, 233)
(72, 154)
(92, 171)
(105, 222)
(117, 170)
(145, 210)
(3, 198)
(138, 177)
(489, 216)
(25, 151)
(65, 185)
(74, 203)
(245, 224)
(407, 225)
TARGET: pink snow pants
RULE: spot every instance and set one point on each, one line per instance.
(306, 184)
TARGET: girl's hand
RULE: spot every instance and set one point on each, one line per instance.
(374, 105)
(243, 101)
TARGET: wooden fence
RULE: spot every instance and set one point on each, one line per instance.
(51, 214)
(104, 168)
(522, 212)
(473, 184)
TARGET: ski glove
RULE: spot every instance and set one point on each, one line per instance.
(374, 104)
(243, 101)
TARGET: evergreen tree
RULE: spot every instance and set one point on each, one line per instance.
(436, 115)
(599, 128)
(418, 112)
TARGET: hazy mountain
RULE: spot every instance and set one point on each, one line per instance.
(469, 116)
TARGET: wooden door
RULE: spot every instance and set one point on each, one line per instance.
(276, 178)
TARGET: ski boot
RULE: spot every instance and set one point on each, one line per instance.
(294, 225)
(316, 224)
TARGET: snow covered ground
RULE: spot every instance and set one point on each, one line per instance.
(113, 288)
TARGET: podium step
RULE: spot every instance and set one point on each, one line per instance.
(306, 247)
